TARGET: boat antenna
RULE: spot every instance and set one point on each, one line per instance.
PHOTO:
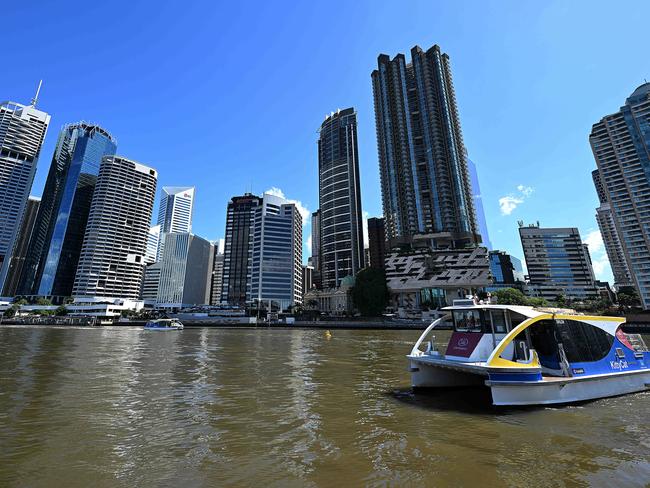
(38, 90)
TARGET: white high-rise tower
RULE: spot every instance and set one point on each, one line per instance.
(175, 212)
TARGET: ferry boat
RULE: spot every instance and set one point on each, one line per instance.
(164, 324)
(532, 356)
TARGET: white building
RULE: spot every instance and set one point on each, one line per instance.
(185, 271)
(276, 268)
(22, 131)
(175, 212)
(115, 243)
(153, 240)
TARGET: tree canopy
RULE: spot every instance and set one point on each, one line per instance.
(370, 293)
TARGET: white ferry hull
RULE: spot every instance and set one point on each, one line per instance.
(425, 375)
(568, 390)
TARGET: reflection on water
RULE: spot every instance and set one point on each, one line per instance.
(201, 407)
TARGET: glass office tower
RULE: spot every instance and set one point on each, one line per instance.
(52, 259)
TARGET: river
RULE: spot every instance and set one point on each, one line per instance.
(113, 407)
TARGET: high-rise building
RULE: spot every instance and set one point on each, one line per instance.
(22, 131)
(61, 221)
(621, 146)
(507, 271)
(377, 242)
(315, 246)
(276, 265)
(217, 277)
(175, 212)
(151, 281)
(426, 188)
(20, 249)
(185, 270)
(340, 219)
(153, 240)
(607, 226)
(307, 280)
(238, 249)
(112, 256)
(558, 263)
(478, 205)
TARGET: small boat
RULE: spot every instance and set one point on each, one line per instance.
(164, 324)
(532, 356)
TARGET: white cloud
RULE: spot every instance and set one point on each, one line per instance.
(304, 211)
(365, 216)
(308, 244)
(508, 203)
(599, 260)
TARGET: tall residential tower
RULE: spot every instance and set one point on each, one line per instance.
(426, 188)
(113, 253)
(340, 216)
(22, 131)
(621, 146)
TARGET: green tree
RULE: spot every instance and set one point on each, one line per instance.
(510, 296)
(537, 302)
(628, 297)
(61, 311)
(11, 311)
(370, 293)
(43, 301)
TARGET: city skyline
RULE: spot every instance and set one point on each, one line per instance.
(509, 190)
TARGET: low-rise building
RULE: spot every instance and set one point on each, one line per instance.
(332, 301)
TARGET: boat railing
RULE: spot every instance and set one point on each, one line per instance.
(416, 351)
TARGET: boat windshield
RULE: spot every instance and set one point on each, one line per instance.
(467, 320)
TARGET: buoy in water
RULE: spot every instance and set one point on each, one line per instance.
(328, 334)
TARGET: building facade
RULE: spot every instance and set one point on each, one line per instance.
(478, 205)
(376, 242)
(425, 180)
(507, 271)
(621, 146)
(217, 277)
(21, 246)
(276, 265)
(22, 131)
(153, 241)
(111, 263)
(315, 246)
(175, 212)
(607, 226)
(340, 216)
(185, 270)
(62, 219)
(558, 263)
(238, 249)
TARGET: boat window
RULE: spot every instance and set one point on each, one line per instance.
(467, 320)
(498, 321)
(583, 342)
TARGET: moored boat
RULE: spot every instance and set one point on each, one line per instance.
(529, 356)
(164, 324)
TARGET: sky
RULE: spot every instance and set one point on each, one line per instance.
(228, 96)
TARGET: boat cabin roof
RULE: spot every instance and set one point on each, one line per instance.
(526, 311)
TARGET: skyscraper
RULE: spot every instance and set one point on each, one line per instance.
(424, 172)
(613, 246)
(558, 262)
(340, 220)
(238, 249)
(112, 256)
(53, 253)
(153, 241)
(478, 205)
(377, 242)
(175, 212)
(315, 247)
(185, 270)
(20, 249)
(276, 265)
(621, 146)
(217, 277)
(22, 131)
(507, 271)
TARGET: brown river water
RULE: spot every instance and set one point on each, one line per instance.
(124, 407)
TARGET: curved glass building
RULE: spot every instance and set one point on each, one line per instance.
(53, 255)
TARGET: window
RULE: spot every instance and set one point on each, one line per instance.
(498, 321)
(467, 320)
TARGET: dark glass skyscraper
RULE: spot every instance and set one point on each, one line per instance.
(340, 222)
(54, 250)
(425, 180)
(238, 250)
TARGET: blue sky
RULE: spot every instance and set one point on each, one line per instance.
(228, 96)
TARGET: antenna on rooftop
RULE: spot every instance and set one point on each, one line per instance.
(38, 90)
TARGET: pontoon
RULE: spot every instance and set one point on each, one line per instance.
(530, 356)
(164, 324)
